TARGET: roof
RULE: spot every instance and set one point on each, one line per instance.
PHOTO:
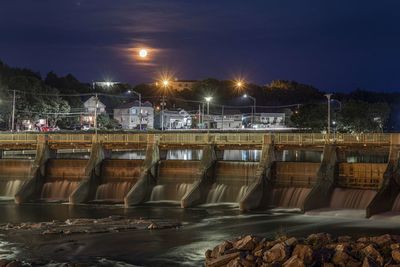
(134, 104)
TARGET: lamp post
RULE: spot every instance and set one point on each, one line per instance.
(328, 96)
(140, 106)
(253, 110)
(165, 84)
(208, 100)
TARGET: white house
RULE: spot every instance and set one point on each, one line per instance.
(271, 120)
(226, 122)
(175, 119)
(130, 114)
(90, 106)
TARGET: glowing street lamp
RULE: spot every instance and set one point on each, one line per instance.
(239, 84)
(253, 110)
(208, 100)
(165, 84)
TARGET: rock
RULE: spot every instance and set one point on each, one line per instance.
(222, 260)
(4, 262)
(291, 241)
(323, 255)
(221, 249)
(343, 239)
(235, 263)
(245, 243)
(319, 239)
(371, 253)
(395, 246)
(294, 261)
(277, 253)
(328, 264)
(303, 252)
(14, 264)
(363, 240)
(381, 240)
(152, 226)
(396, 255)
(369, 262)
(341, 258)
(208, 254)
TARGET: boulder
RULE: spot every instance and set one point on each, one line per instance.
(303, 252)
(222, 260)
(369, 262)
(294, 261)
(277, 253)
(381, 240)
(344, 239)
(341, 258)
(396, 255)
(291, 241)
(371, 253)
(221, 249)
(246, 243)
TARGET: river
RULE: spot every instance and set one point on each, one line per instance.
(203, 228)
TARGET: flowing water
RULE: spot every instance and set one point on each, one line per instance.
(232, 180)
(63, 176)
(345, 198)
(58, 190)
(118, 176)
(175, 179)
(289, 197)
(13, 174)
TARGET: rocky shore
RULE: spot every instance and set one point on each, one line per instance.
(88, 226)
(316, 250)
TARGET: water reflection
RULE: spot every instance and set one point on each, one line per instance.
(242, 155)
(184, 154)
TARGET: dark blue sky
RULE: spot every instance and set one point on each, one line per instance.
(334, 45)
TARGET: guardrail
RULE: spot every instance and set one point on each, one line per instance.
(193, 138)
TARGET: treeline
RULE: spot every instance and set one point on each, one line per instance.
(60, 100)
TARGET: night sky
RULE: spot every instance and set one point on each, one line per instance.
(334, 45)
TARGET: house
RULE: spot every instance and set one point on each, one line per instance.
(132, 115)
(271, 120)
(232, 119)
(174, 119)
(90, 106)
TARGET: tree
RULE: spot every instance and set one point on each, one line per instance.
(310, 117)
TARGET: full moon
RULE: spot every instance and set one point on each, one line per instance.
(143, 53)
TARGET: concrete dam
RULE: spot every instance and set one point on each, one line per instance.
(291, 171)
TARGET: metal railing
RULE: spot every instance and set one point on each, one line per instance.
(193, 138)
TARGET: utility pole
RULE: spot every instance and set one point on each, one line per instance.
(222, 126)
(95, 115)
(162, 112)
(328, 96)
(13, 113)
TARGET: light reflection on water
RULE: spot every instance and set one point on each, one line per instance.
(203, 228)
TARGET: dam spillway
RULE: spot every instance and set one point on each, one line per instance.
(292, 180)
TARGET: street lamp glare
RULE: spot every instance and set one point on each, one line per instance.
(208, 98)
(165, 82)
(143, 53)
(245, 95)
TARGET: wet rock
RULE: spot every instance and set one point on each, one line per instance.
(222, 260)
(245, 243)
(291, 241)
(381, 240)
(277, 253)
(4, 262)
(152, 226)
(344, 239)
(369, 262)
(221, 249)
(396, 255)
(341, 258)
(303, 252)
(208, 254)
(371, 253)
(294, 261)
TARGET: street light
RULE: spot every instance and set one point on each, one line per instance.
(165, 84)
(239, 84)
(208, 100)
(328, 96)
(254, 107)
(140, 106)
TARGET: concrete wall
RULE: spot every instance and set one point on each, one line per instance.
(31, 190)
(87, 187)
(320, 195)
(200, 189)
(256, 192)
(384, 199)
(141, 191)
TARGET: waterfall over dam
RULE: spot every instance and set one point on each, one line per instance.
(13, 174)
(232, 179)
(62, 177)
(118, 176)
(175, 179)
(292, 182)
